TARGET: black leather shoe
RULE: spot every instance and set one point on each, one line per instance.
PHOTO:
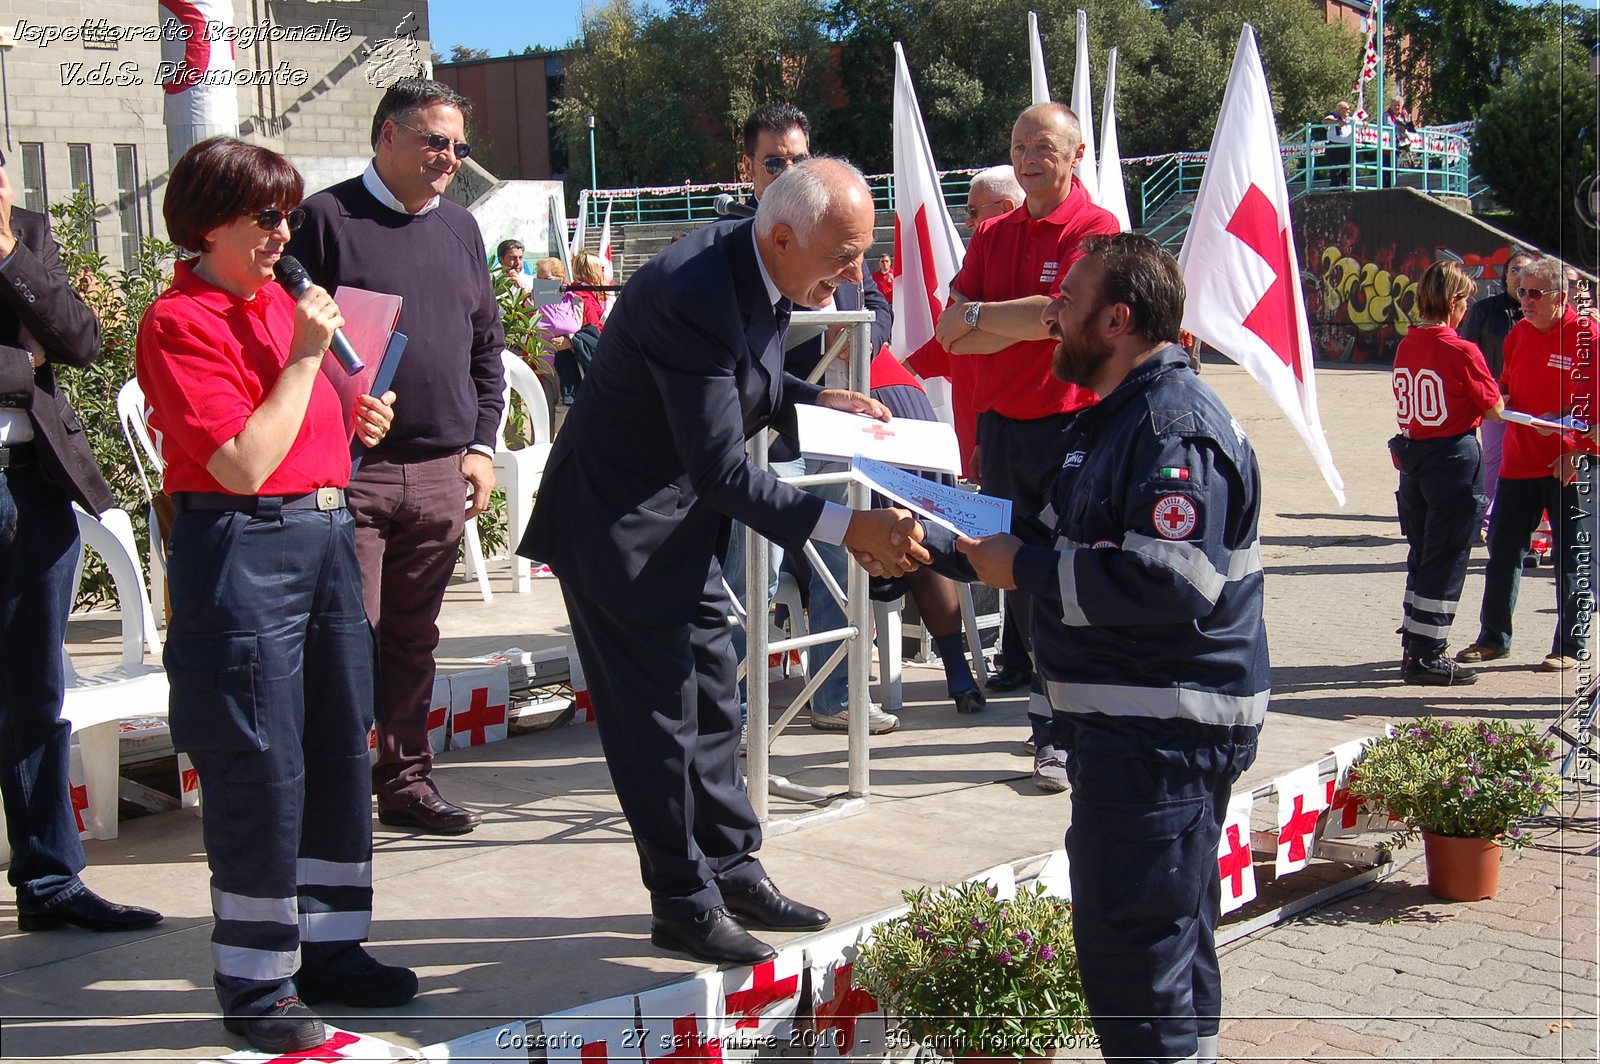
(357, 979)
(969, 701)
(90, 911)
(432, 815)
(287, 1027)
(764, 907)
(1009, 680)
(711, 936)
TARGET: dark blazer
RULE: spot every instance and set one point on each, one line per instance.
(650, 467)
(35, 291)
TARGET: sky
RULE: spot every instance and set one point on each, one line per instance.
(501, 26)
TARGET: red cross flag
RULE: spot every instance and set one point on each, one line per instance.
(479, 699)
(927, 245)
(601, 1032)
(1346, 815)
(78, 791)
(1235, 863)
(847, 1021)
(1239, 261)
(583, 709)
(1301, 800)
(439, 715)
(758, 1004)
(605, 242)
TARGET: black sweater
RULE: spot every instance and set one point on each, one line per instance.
(449, 385)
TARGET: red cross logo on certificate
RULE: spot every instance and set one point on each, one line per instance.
(479, 717)
(1175, 516)
(878, 431)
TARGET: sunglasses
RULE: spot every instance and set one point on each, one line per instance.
(440, 142)
(272, 217)
(1533, 295)
(972, 212)
(777, 164)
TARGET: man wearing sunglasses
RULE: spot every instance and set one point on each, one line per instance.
(45, 467)
(1551, 364)
(392, 230)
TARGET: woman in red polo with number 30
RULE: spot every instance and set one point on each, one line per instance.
(1442, 390)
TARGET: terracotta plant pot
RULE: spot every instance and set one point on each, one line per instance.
(1461, 869)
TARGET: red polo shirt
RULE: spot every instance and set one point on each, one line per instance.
(932, 360)
(1549, 373)
(1014, 256)
(1442, 385)
(206, 359)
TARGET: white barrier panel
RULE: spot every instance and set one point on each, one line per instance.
(479, 701)
(1235, 862)
(1301, 800)
(602, 1032)
(1346, 816)
(510, 1042)
(439, 715)
(758, 1004)
(847, 1021)
(188, 784)
(1055, 876)
(1003, 878)
(682, 1021)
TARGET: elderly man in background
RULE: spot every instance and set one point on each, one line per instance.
(391, 230)
(634, 513)
(1550, 370)
(1013, 269)
(1487, 323)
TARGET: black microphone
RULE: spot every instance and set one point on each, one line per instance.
(295, 280)
(728, 207)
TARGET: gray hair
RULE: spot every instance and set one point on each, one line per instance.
(803, 195)
(997, 181)
(1550, 271)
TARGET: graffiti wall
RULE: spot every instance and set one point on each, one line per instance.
(1362, 254)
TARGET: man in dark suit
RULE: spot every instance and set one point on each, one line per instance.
(647, 475)
(45, 466)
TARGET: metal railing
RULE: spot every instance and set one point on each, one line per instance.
(690, 204)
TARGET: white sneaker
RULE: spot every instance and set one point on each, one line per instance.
(1049, 770)
(878, 722)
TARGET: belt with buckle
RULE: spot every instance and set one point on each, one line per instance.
(324, 499)
(17, 455)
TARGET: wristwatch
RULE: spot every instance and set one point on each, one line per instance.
(971, 315)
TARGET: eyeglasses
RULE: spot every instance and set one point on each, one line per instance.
(1533, 295)
(440, 142)
(272, 217)
(777, 164)
(972, 212)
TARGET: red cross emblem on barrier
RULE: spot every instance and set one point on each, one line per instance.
(1234, 864)
(1302, 823)
(480, 716)
(189, 780)
(765, 991)
(80, 803)
(1345, 805)
(688, 1044)
(849, 1004)
(438, 714)
(327, 1052)
(594, 1051)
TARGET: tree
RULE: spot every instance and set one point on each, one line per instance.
(1534, 143)
(1448, 76)
(460, 53)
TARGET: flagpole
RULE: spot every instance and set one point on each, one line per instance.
(1378, 110)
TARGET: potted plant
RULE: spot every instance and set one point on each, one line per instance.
(1464, 786)
(970, 974)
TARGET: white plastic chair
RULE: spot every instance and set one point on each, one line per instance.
(520, 471)
(132, 413)
(472, 548)
(96, 703)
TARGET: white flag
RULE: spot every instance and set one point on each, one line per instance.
(1113, 195)
(1239, 261)
(605, 242)
(1083, 105)
(927, 246)
(1041, 84)
(578, 229)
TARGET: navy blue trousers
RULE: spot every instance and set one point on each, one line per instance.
(38, 548)
(1148, 801)
(269, 658)
(1518, 506)
(667, 709)
(1440, 502)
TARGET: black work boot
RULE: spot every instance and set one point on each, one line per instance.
(1437, 670)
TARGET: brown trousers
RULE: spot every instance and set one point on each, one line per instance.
(409, 517)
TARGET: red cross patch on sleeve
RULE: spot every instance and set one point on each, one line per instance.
(1175, 516)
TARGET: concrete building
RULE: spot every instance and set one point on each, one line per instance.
(83, 103)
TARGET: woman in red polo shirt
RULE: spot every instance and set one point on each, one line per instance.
(1443, 390)
(269, 656)
(1551, 369)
